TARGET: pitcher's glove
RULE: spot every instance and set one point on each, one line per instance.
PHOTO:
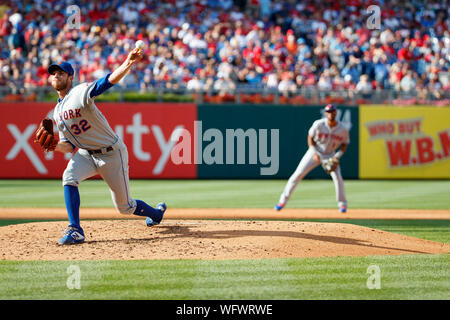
(330, 164)
(45, 136)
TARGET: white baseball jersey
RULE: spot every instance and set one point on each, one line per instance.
(328, 139)
(80, 122)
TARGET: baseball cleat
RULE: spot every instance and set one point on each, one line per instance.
(150, 222)
(72, 235)
(279, 206)
(343, 209)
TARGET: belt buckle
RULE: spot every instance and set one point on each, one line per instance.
(106, 149)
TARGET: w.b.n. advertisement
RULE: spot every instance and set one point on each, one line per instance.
(408, 142)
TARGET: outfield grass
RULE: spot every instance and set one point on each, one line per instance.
(401, 277)
(411, 194)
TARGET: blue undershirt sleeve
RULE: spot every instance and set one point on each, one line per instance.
(101, 85)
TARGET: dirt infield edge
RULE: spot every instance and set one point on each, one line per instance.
(233, 213)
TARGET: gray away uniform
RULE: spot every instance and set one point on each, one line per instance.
(82, 124)
(327, 141)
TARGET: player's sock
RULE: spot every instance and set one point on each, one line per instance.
(144, 210)
(72, 199)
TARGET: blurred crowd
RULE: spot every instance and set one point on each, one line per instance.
(222, 45)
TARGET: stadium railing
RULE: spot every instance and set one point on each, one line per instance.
(243, 95)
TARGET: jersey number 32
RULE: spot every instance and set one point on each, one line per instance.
(82, 126)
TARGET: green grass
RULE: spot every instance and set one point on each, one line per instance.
(401, 277)
(411, 194)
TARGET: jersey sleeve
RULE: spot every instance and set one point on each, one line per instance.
(347, 137)
(63, 138)
(101, 85)
(85, 92)
(313, 130)
(92, 90)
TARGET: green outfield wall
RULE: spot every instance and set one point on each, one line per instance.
(286, 126)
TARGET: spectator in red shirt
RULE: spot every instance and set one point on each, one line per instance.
(405, 53)
(298, 36)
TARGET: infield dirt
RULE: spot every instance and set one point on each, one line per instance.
(177, 238)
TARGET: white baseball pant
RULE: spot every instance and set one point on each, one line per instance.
(304, 167)
(111, 166)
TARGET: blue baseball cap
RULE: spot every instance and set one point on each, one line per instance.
(64, 66)
(330, 107)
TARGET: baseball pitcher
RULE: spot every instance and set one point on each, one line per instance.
(82, 126)
(324, 137)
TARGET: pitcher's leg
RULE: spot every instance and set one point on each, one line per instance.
(78, 169)
(305, 166)
(113, 168)
(339, 187)
(72, 201)
(115, 173)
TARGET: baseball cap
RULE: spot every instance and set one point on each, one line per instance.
(64, 66)
(330, 107)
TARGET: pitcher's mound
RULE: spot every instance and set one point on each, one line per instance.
(206, 239)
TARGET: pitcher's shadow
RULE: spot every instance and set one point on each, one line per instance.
(183, 231)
